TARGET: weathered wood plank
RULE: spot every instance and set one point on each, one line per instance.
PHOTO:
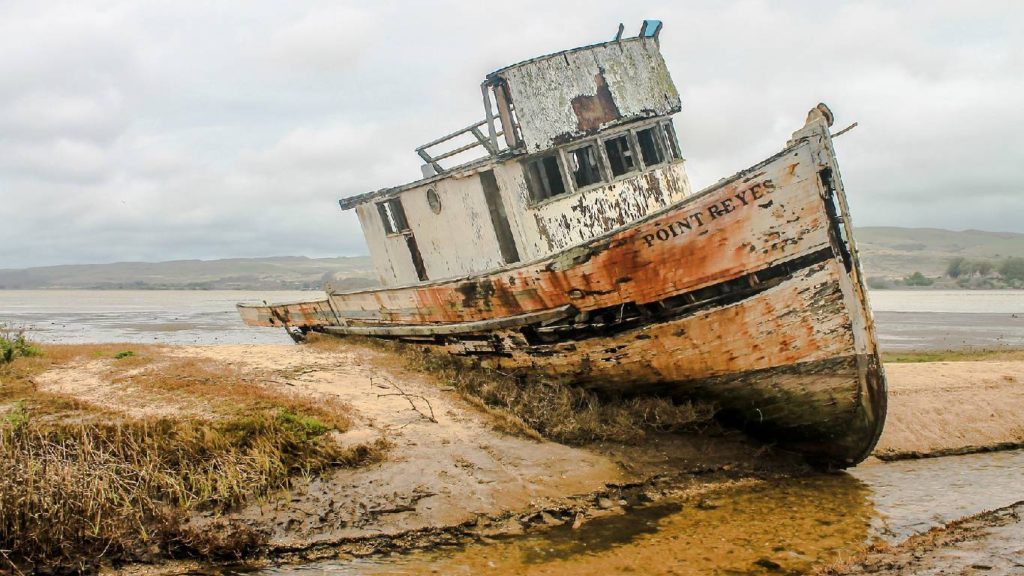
(477, 327)
(297, 314)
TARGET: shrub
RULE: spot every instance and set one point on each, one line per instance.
(961, 267)
(918, 279)
(879, 282)
(13, 344)
(955, 267)
(1012, 268)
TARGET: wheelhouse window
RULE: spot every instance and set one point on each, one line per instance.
(544, 177)
(621, 157)
(651, 147)
(670, 138)
(585, 165)
(393, 216)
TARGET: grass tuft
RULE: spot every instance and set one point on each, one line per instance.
(13, 344)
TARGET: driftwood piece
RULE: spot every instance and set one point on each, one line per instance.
(409, 398)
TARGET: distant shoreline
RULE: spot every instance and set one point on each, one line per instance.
(945, 288)
(274, 273)
(243, 288)
(891, 258)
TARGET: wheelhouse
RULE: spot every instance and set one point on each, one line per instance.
(576, 144)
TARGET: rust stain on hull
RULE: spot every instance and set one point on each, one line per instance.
(298, 314)
(592, 112)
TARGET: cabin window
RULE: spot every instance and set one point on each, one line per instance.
(673, 142)
(621, 157)
(650, 146)
(393, 216)
(585, 166)
(544, 177)
(434, 201)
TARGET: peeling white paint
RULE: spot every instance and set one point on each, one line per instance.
(543, 89)
(461, 240)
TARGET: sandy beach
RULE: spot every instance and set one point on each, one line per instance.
(942, 408)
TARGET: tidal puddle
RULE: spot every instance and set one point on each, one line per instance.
(913, 496)
(779, 527)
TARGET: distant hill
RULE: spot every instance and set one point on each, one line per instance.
(885, 252)
(281, 273)
(897, 252)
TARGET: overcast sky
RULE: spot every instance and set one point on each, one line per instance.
(168, 130)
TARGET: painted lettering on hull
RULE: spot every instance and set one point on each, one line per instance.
(691, 222)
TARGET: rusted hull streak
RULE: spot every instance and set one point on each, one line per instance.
(298, 314)
(749, 294)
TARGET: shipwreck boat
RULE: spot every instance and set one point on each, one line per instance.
(575, 247)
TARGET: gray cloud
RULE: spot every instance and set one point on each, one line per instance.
(151, 131)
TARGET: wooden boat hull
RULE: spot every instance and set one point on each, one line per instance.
(748, 294)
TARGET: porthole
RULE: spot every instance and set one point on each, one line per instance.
(434, 201)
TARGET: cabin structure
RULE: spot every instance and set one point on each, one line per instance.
(574, 145)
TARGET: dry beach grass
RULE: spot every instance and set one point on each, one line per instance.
(82, 480)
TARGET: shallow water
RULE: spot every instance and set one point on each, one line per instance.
(913, 496)
(948, 319)
(785, 526)
(906, 320)
(903, 331)
(948, 301)
(140, 316)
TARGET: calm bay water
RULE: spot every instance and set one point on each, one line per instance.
(948, 319)
(140, 316)
(906, 320)
(948, 301)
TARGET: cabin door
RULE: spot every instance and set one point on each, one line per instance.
(499, 219)
(392, 214)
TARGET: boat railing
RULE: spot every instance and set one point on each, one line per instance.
(489, 144)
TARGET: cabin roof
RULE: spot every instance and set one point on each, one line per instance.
(497, 74)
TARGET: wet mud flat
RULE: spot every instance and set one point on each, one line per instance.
(873, 520)
(921, 330)
(457, 496)
(455, 471)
